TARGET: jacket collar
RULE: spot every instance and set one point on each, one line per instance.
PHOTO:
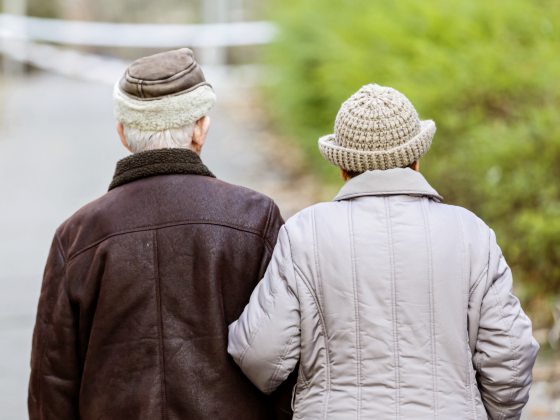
(158, 162)
(396, 181)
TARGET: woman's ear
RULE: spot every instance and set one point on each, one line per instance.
(415, 165)
(201, 128)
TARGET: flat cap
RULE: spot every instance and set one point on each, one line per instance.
(163, 91)
(163, 74)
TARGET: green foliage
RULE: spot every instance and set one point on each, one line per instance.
(486, 71)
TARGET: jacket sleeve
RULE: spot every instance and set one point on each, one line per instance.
(504, 349)
(281, 399)
(55, 375)
(265, 340)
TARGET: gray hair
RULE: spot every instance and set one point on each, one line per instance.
(140, 141)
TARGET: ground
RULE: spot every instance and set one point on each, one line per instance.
(58, 149)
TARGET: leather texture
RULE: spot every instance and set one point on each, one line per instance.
(138, 291)
(396, 305)
(164, 74)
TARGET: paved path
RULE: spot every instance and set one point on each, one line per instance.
(57, 152)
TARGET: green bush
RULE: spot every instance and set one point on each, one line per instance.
(488, 73)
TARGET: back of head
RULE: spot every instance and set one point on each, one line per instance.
(160, 98)
(377, 128)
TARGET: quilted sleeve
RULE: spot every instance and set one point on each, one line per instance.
(265, 340)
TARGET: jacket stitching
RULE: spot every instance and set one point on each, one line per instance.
(254, 334)
(327, 353)
(428, 237)
(268, 217)
(44, 336)
(412, 193)
(285, 351)
(513, 347)
(160, 325)
(166, 225)
(60, 248)
(393, 307)
(257, 328)
(295, 274)
(481, 276)
(486, 273)
(465, 279)
(356, 309)
(287, 348)
(307, 285)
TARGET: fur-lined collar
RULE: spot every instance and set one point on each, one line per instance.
(158, 162)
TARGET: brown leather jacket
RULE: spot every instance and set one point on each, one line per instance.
(138, 291)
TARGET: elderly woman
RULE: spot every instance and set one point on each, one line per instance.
(395, 304)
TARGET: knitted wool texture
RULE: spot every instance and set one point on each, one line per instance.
(160, 114)
(377, 128)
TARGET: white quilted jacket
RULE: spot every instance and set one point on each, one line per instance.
(397, 307)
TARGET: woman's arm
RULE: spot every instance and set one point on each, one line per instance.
(505, 350)
(265, 340)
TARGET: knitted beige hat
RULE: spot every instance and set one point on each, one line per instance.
(377, 128)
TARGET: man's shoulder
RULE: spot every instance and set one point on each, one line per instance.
(162, 201)
(241, 191)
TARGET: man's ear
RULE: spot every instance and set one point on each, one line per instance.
(199, 134)
(120, 131)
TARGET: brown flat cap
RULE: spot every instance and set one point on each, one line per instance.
(164, 74)
(163, 91)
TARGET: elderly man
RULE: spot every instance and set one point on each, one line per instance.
(396, 305)
(141, 284)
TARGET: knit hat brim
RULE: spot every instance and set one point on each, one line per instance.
(163, 113)
(355, 160)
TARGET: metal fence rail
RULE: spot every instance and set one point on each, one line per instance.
(100, 34)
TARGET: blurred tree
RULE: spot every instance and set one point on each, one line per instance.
(43, 8)
(486, 71)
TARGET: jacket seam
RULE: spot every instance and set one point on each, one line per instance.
(285, 351)
(60, 248)
(307, 285)
(265, 231)
(160, 325)
(482, 275)
(256, 330)
(393, 308)
(301, 374)
(167, 225)
(356, 309)
(428, 237)
(44, 336)
(465, 279)
(513, 347)
(253, 335)
(412, 193)
(327, 353)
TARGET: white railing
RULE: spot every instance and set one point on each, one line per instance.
(30, 40)
(101, 34)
